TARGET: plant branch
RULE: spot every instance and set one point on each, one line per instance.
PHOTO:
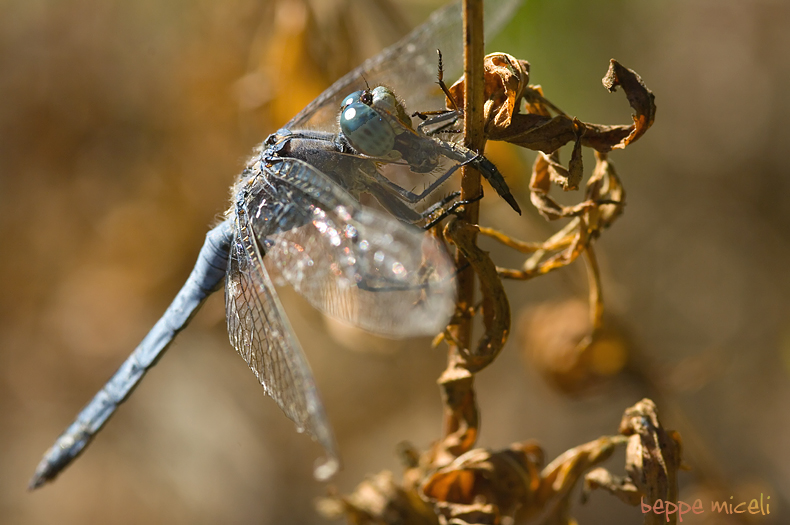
(461, 417)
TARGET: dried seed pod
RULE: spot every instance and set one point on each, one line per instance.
(556, 340)
(484, 486)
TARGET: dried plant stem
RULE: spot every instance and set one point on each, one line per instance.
(461, 418)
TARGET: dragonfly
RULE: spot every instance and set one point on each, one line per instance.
(297, 217)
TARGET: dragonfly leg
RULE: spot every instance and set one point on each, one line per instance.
(414, 198)
(443, 118)
(437, 122)
(439, 205)
(393, 203)
(206, 277)
(467, 157)
(444, 212)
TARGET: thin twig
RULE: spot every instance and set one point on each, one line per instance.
(596, 291)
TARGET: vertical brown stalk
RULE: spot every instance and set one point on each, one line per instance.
(461, 416)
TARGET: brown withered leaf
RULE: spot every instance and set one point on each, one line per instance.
(619, 486)
(496, 308)
(536, 132)
(506, 85)
(603, 138)
(641, 99)
(653, 455)
(378, 500)
(562, 474)
(547, 170)
(604, 202)
(604, 192)
(505, 80)
(604, 185)
(567, 178)
(652, 460)
(483, 486)
(462, 421)
(575, 166)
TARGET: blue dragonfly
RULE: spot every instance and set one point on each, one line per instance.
(297, 217)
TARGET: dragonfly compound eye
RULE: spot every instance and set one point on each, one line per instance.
(356, 96)
(365, 130)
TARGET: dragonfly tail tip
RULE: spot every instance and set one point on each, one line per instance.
(326, 469)
(38, 479)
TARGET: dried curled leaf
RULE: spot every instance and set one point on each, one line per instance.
(378, 500)
(505, 79)
(606, 190)
(653, 455)
(507, 84)
(641, 99)
(652, 460)
(494, 487)
(604, 201)
(462, 422)
(495, 305)
(562, 474)
(619, 486)
(546, 170)
(483, 486)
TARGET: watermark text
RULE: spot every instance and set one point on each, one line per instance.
(731, 506)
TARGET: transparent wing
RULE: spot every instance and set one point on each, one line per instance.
(410, 175)
(261, 334)
(356, 264)
(432, 161)
(409, 66)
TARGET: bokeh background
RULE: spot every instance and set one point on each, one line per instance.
(122, 125)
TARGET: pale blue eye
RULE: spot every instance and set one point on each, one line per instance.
(364, 128)
(353, 97)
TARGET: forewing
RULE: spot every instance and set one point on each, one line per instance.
(409, 66)
(356, 264)
(261, 334)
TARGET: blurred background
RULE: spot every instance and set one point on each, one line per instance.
(122, 126)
